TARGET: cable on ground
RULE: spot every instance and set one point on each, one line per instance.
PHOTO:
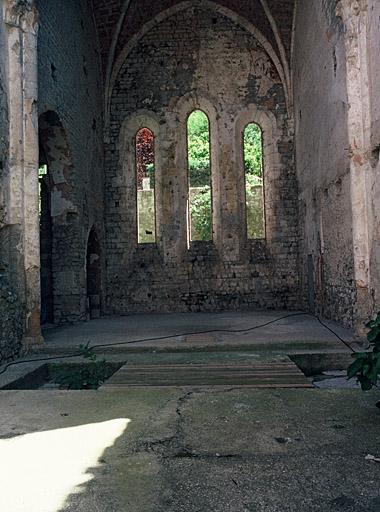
(172, 336)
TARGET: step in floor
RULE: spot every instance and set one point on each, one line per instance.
(259, 375)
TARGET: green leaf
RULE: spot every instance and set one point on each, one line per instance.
(367, 369)
(373, 334)
(373, 375)
(360, 355)
(355, 367)
(365, 383)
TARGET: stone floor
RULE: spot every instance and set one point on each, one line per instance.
(296, 331)
(173, 450)
(195, 449)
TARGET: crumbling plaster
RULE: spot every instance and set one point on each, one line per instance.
(71, 132)
(19, 29)
(322, 156)
(232, 60)
(12, 318)
(374, 187)
(200, 58)
(335, 78)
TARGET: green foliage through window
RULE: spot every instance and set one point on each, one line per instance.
(254, 190)
(199, 162)
(200, 211)
(198, 149)
(253, 150)
(200, 175)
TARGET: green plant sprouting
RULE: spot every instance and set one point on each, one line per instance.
(366, 367)
(79, 376)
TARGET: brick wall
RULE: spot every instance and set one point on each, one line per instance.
(107, 14)
(11, 320)
(3, 132)
(201, 53)
(70, 86)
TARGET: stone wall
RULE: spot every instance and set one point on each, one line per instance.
(323, 168)
(374, 88)
(71, 124)
(109, 12)
(4, 128)
(200, 58)
(12, 320)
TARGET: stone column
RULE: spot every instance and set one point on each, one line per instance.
(355, 18)
(21, 20)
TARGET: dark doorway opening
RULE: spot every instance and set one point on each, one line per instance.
(46, 244)
(93, 272)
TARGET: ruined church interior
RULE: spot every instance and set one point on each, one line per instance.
(109, 207)
(189, 254)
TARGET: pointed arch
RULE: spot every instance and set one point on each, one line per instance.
(181, 6)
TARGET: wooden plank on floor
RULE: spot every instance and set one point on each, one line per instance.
(261, 375)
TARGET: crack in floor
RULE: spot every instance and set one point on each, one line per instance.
(169, 446)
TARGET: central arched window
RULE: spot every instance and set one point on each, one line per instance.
(199, 177)
(145, 179)
(254, 181)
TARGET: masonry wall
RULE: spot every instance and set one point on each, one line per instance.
(108, 12)
(11, 299)
(4, 130)
(70, 90)
(198, 58)
(374, 85)
(320, 94)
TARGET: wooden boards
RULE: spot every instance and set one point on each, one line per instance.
(260, 375)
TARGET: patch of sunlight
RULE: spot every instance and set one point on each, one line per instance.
(39, 471)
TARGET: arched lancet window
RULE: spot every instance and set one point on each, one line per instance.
(145, 179)
(254, 181)
(199, 177)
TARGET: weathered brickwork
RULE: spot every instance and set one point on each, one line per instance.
(102, 76)
(201, 55)
(11, 305)
(70, 108)
(107, 14)
(3, 144)
(283, 14)
(322, 162)
(374, 86)
(11, 321)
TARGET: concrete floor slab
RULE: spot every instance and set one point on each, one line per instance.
(173, 450)
(298, 331)
(191, 449)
